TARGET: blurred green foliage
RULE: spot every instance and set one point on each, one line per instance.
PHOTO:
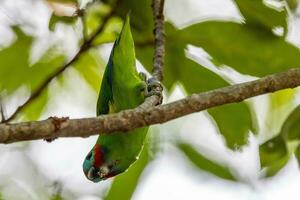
(252, 47)
(205, 164)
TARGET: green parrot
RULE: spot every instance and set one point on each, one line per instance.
(122, 88)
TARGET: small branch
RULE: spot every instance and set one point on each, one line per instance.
(159, 53)
(143, 116)
(84, 47)
(159, 39)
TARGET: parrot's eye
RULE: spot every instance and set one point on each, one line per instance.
(88, 157)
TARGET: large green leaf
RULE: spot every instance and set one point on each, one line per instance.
(258, 14)
(125, 184)
(247, 49)
(30, 75)
(205, 164)
(234, 122)
(196, 78)
(16, 70)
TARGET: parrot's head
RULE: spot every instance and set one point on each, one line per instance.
(95, 168)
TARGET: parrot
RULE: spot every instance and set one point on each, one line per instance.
(122, 88)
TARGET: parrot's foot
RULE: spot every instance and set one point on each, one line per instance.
(143, 76)
(154, 87)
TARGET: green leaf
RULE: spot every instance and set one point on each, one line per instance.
(275, 167)
(234, 122)
(56, 197)
(196, 78)
(246, 49)
(34, 110)
(291, 126)
(280, 106)
(258, 14)
(272, 151)
(89, 66)
(125, 184)
(69, 20)
(141, 19)
(11, 62)
(293, 4)
(29, 75)
(205, 164)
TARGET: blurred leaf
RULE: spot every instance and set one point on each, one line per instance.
(275, 167)
(110, 32)
(234, 122)
(30, 75)
(141, 19)
(89, 66)
(280, 106)
(125, 184)
(257, 13)
(293, 4)
(297, 154)
(196, 78)
(34, 110)
(50, 61)
(56, 197)
(291, 127)
(70, 20)
(247, 49)
(273, 152)
(205, 164)
(11, 62)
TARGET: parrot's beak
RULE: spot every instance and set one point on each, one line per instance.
(92, 174)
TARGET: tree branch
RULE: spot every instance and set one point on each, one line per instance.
(83, 48)
(159, 54)
(143, 116)
(159, 39)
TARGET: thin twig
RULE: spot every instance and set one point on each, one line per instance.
(159, 54)
(159, 39)
(84, 47)
(139, 117)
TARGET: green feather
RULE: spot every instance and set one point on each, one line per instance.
(121, 88)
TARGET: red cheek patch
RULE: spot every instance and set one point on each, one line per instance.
(99, 157)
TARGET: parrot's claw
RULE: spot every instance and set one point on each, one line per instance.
(154, 87)
(143, 76)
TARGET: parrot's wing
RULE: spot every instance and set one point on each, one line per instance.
(106, 96)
